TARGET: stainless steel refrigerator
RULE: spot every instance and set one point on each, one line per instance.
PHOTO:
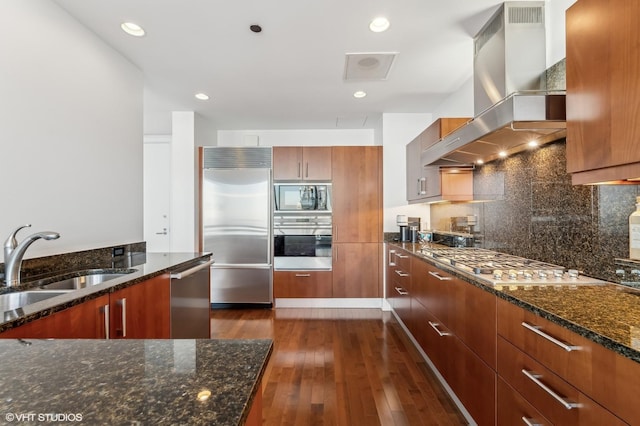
(236, 224)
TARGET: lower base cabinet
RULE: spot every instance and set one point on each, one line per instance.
(302, 284)
(513, 409)
(356, 270)
(88, 320)
(141, 311)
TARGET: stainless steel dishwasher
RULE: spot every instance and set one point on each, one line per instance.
(190, 302)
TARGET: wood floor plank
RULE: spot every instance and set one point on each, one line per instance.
(344, 367)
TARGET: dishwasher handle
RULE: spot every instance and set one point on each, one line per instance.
(191, 271)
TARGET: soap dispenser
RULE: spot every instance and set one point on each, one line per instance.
(634, 232)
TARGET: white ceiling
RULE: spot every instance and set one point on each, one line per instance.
(290, 76)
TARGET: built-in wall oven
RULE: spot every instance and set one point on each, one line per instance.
(302, 226)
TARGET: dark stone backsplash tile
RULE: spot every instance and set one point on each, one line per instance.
(538, 214)
(99, 258)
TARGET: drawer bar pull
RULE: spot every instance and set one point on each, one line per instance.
(536, 329)
(391, 254)
(440, 277)
(535, 379)
(401, 291)
(402, 256)
(402, 274)
(435, 325)
(530, 422)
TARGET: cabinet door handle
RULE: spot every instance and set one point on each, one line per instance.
(401, 291)
(303, 275)
(123, 316)
(306, 172)
(440, 277)
(419, 187)
(537, 329)
(535, 378)
(299, 169)
(402, 274)
(423, 186)
(105, 320)
(530, 422)
(391, 253)
(435, 325)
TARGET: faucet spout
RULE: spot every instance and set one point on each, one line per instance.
(14, 252)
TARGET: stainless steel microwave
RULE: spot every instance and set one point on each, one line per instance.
(289, 197)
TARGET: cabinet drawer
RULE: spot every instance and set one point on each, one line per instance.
(605, 376)
(302, 284)
(513, 409)
(553, 397)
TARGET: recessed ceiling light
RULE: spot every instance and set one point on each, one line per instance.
(359, 94)
(479, 161)
(132, 29)
(533, 144)
(202, 96)
(502, 154)
(379, 24)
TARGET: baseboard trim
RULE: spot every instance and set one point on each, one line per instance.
(374, 303)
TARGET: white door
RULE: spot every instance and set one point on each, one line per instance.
(157, 196)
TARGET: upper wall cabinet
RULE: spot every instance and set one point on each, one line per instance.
(425, 184)
(302, 163)
(603, 90)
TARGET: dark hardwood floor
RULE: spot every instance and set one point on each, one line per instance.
(346, 367)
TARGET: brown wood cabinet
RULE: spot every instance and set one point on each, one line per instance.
(552, 396)
(609, 379)
(454, 325)
(357, 194)
(357, 221)
(356, 270)
(141, 311)
(603, 94)
(398, 281)
(426, 184)
(302, 284)
(513, 409)
(302, 163)
(88, 320)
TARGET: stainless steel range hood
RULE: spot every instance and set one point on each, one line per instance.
(512, 104)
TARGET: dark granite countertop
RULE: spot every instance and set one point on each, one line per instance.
(607, 314)
(132, 382)
(144, 266)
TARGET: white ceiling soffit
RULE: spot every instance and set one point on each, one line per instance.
(368, 66)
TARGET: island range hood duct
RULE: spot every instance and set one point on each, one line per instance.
(512, 106)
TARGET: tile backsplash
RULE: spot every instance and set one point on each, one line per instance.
(537, 213)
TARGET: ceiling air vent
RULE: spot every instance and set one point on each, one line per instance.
(368, 66)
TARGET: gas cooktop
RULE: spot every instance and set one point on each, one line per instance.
(505, 269)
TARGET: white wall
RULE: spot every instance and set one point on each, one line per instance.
(556, 41)
(320, 137)
(183, 182)
(397, 131)
(70, 132)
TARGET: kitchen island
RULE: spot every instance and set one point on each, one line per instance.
(139, 268)
(141, 382)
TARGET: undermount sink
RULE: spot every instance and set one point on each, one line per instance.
(86, 280)
(11, 301)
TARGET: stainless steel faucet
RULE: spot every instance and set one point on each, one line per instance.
(14, 252)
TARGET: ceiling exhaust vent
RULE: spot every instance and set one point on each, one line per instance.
(368, 66)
